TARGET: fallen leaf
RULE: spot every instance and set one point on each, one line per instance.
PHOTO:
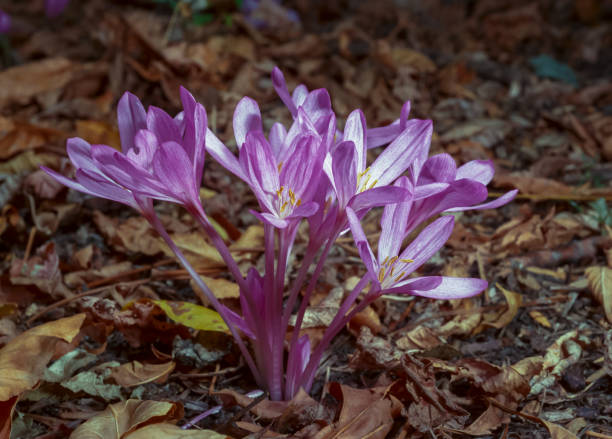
(118, 420)
(27, 81)
(171, 431)
(24, 359)
(136, 373)
(17, 136)
(198, 251)
(41, 270)
(192, 315)
(600, 282)
(140, 322)
(221, 288)
(540, 318)
(364, 413)
(514, 301)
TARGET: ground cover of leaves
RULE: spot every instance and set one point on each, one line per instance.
(90, 345)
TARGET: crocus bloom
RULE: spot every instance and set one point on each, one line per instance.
(53, 8)
(162, 157)
(362, 187)
(390, 269)
(5, 22)
(465, 188)
(317, 103)
(284, 171)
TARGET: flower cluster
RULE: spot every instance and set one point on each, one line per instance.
(310, 171)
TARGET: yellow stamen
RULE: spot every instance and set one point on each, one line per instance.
(407, 261)
(381, 274)
(399, 276)
(385, 261)
(280, 166)
(392, 260)
(373, 184)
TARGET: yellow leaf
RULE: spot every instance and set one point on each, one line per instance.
(600, 282)
(540, 318)
(193, 316)
(24, 358)
(221, 288)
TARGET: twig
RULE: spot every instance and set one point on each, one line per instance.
(210, 374)
(28, 249)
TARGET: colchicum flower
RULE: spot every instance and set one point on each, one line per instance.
(311, 171)
(390, 269)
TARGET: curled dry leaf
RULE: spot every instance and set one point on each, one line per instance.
(41, 270)
(499, 321)
(137, 373)
(365, 413)
(600, 282)
(24, 359)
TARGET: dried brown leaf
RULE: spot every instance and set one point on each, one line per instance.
(136, 373)
(27, 81)
(23, 359)
(41, 270)
(365, 413)
(119, 420)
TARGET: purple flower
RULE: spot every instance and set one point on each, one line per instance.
(5, 22)
(463, 188)
(283, 171)
(391, 268)
(362, 187)
(162, 157)
(53, 8)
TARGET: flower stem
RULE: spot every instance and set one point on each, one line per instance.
(156, 223)
(219, 244)
(341, 319)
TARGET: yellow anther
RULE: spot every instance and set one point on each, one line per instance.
(279, 192)
(391, 272)
(280, 166)
(381, 274)
(385, 261)
(299, 202)
(399, 276)
(364, 172)
(365, 183)
(373, 184)
(392, 260)
(407, 261)
(283, 206)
